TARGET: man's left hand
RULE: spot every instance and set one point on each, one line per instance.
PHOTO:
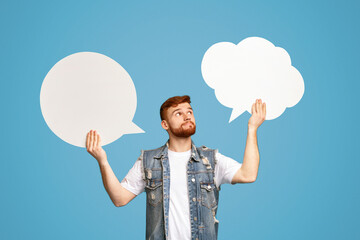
(258, 111)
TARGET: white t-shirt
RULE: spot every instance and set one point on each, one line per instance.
(179, 213)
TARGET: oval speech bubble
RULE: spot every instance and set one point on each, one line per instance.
(252, 69)
(85, 91)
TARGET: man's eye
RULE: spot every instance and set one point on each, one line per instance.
(189, 112)
(177, 114)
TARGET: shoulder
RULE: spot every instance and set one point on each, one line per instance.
(206, 149)
(152, 150)
(150, 154)
(209, 153)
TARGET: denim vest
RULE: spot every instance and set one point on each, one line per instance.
(202, 191)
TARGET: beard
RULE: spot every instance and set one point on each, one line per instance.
(184, 133)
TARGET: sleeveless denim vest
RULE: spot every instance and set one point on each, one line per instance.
(202, 192)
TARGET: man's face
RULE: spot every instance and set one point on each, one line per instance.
(180, 120)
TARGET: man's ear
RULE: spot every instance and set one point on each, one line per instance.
(164, 124)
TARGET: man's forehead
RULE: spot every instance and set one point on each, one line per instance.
(181, 106)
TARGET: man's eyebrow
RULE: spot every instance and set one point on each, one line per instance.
(179, 109)
(176, 110)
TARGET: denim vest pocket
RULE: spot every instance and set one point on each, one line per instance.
(154, 191)
(207, 194)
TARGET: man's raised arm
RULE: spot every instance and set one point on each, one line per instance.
(250, 166)
(117, 193)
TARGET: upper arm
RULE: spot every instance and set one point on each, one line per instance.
(132, 185)
(126, 197)
(240, 177)
(225, 169)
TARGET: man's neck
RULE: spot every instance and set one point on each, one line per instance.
(179, 144)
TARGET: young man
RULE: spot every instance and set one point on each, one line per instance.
(181, 181)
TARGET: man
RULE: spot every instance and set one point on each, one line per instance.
(181, 181)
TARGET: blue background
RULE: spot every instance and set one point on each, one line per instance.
(308, 182)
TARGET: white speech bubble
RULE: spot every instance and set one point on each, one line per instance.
(253, 69)
(85, 91)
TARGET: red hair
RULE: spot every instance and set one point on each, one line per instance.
(172, 102)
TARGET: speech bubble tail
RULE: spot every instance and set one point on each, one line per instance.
(133, 128)
(235, 113)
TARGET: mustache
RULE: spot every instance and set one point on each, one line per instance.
(188, 122)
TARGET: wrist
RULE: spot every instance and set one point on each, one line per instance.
(103, 162)
(252, 128)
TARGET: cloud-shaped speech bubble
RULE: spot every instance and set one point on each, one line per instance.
(253, 69)
(88, 90)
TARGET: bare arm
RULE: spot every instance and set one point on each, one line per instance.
(250, 166)
(117, 193)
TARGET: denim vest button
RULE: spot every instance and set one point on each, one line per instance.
(194, 199)
(193, 179)
(195, 218)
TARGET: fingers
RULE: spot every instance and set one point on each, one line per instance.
(87, 140)
(253, 108)
(264, 109)
(91, 139)
(259, 107)
(95, 139)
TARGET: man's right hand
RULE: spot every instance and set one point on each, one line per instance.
(119, 195)
(93, 146)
